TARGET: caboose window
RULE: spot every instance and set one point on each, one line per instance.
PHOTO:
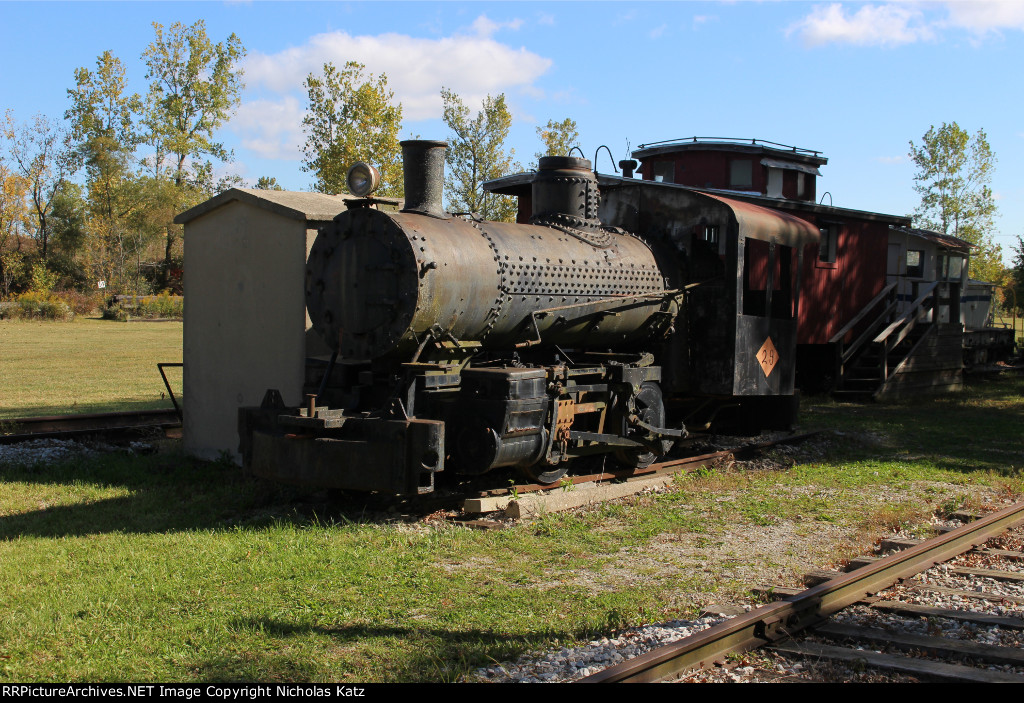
(915, 263)
(828, 246)
(741, 174)
(950, 267)
(665, 171)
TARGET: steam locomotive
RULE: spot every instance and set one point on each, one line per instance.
(624, 312)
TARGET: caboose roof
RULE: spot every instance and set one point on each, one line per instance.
(946, 241)
(785, 154)
(308, 207)
(826, 211)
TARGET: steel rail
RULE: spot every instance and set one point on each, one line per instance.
(661, 468)
(24, 428)
(777, 621)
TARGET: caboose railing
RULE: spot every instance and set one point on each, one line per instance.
(895, 333)
(846, 352)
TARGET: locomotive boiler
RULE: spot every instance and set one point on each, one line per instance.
(462, 345)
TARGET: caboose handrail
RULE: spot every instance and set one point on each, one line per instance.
(731, 140)
(911, 314)
(862, 314)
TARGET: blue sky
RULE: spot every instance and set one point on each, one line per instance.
(856, 81)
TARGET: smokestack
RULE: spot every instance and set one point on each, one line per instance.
(423, 163)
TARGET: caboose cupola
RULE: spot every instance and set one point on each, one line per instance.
(750, 166)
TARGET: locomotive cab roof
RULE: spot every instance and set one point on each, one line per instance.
(755, 221)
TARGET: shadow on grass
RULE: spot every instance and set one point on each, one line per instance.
(979, 430)
(167, 492)
(89, 408)
(976, 430)
(429, 654)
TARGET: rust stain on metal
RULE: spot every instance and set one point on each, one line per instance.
(566, 414)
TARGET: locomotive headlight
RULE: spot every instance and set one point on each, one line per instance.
(362, 179)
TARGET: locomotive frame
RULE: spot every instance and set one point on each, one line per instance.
(467, 345)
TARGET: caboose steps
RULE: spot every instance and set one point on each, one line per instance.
(898, 353)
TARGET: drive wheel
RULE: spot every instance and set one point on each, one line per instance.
(539, 473)
(651, 409)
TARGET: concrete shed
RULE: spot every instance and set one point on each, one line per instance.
(246, 328)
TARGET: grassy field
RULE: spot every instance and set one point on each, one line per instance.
(89, 365)
(142, 568)
(1017, 323)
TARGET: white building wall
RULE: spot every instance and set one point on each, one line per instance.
(245, 323)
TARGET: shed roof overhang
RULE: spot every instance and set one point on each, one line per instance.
(309, 207)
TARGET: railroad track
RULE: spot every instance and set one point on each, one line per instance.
(70, 426)
(802, 624)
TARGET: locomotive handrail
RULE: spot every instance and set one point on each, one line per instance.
(623, 299)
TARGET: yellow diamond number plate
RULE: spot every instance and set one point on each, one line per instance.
(767, 356)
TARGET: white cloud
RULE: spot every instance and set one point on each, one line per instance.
(485, 27)
(699, 20)
(983, 16)
(892, 159)
(870, 25)
(658, 31)
(905, 22)
(271, 128)
(470, 63)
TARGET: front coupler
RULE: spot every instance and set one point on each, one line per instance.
(325, 448)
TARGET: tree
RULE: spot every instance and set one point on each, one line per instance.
(351, 118)
(476, 154)
(38, 152)
(1016, 279)
(70, 233)
(559, 137)
(102, 117)
(195, 85)
(953, 173)
(104, 137)
(14, 221)
(14, 214)
(267, 183)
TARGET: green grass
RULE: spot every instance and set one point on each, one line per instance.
(168, 569)
(1016, 322)
(121, 567)
(89, 365)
